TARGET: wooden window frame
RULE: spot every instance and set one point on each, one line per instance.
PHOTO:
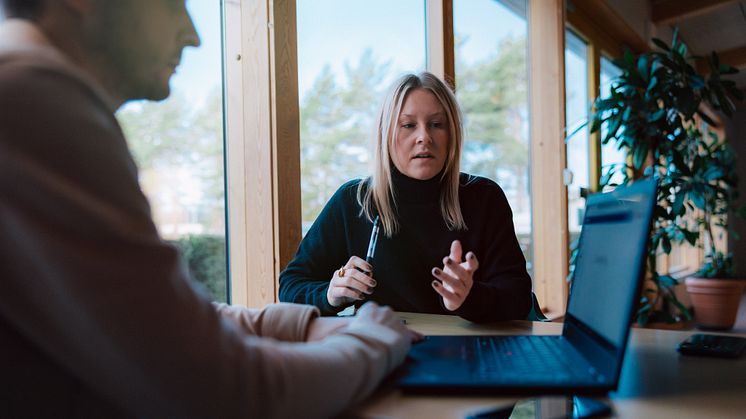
(263, 141)
(262, 146)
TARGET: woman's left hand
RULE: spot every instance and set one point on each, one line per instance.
(454, 281)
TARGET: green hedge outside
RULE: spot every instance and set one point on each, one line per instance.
(205, 259)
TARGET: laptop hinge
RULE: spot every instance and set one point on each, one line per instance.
(599, 352)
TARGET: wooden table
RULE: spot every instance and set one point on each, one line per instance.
(656, 381)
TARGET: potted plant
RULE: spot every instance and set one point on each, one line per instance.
(653, 112)
(711, 188)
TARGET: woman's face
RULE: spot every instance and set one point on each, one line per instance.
(421, 144)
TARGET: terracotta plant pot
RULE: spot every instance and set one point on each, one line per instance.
(715, 301)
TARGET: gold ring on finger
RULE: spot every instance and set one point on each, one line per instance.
(341, 272)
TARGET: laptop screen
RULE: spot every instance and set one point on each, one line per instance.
(609, 260)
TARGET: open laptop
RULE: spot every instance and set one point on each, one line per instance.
(587, 357)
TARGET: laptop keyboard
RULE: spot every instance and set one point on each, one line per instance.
(524, 357)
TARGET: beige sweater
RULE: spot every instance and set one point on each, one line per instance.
(96, 316)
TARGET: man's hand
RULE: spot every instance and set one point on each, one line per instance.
(371, 312)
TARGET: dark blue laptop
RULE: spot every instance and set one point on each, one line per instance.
(587, 357)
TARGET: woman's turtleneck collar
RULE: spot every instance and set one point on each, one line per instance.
(416, 191)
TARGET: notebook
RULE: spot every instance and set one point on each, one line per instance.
(587, 357)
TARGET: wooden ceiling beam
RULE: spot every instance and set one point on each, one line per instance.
(670, 11)
(606, 20)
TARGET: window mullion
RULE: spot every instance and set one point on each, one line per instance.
(547, 116)
(439, 33)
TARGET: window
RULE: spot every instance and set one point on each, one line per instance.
(329, 38)
(611, 156)
(178, 145)
(492, 88)
(576, 116)
(348, 55)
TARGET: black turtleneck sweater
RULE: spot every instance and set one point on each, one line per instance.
(403, 263)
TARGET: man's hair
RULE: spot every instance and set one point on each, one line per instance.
(24, 9)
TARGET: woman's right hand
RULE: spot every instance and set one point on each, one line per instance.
(350, 283)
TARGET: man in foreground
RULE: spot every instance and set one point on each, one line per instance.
(96, 316)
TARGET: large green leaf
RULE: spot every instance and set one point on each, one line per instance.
(660, 44)
(706, 118)
(627, 113)
(596, 124)
(713, 173)
(639, 154)
(653, 83)
(698, 199)
(614, 123)
(606, 104)
(678, 204)
(642, 67)
(666, 244)
(696, 81)
(657, 115)
(691, 236)
(629, 59)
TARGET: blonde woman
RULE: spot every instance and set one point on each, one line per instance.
(447, 242)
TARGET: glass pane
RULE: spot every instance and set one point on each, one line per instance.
(576, 114)
(178, 146)
(348, 55)
(492, 88)
(610, 155)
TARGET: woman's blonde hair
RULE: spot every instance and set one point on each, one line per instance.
(376, 194)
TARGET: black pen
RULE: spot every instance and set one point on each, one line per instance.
(371, 253)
